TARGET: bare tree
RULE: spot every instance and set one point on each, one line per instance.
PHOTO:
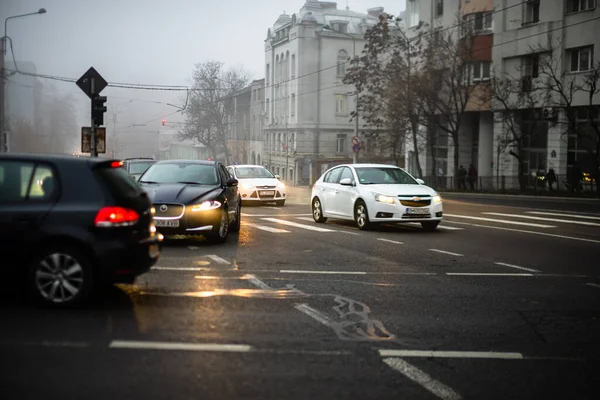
(211, 98)
(448, 91)
(513, 101)
(385, 77)
(577, 95)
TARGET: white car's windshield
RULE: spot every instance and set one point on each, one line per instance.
(252, 172)
(383, 175)
(181, 173)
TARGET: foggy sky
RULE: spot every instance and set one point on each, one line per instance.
(147, 42)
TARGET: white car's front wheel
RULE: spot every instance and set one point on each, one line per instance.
(361, 215)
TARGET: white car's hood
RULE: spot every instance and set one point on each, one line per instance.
(400, 190)
(260, 181)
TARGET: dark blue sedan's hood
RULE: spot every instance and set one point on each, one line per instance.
(177, 192)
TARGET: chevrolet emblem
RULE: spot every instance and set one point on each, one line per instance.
(416, 199)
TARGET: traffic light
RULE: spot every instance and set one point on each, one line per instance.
(98, 109)
(164, 122)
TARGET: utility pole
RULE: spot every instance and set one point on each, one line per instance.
(93, 151)
(3, 138)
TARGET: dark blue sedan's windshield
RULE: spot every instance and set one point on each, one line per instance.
(177, 172)
(383, 176)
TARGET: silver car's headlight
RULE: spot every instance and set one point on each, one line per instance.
(281, 185)
(382, 198)
(436, 199)
(247, 186)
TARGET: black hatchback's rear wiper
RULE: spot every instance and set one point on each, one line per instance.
(150, 182)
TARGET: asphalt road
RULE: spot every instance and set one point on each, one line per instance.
(502, 302)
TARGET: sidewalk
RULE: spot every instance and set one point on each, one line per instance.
(298, 195)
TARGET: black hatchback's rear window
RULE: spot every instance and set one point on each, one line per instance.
(118, 181)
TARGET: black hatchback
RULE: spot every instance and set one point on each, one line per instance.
(70, 224)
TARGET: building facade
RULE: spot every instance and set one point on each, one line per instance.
(306, 121)
(509, 37)
(246, 120)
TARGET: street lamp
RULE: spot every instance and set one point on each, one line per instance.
(3, 42)
(327, 28)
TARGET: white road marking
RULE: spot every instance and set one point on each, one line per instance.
(257, 282)
(193, 247)
(389, 241)
(297, 271)
(531, 232)
(450, 354)
(447, 252)
(563, 215)
(310, 219)
(448, 228)
(273, 208)
(516, 267)
(127, 344)
(348, 232)
(316, 315)
(593, 285)
(218, 259)
(270, 215)
(178, 268)
(266, 228)
(415, 374)
(564, 221)
(484, 274)
(500, 221)
(294, 224)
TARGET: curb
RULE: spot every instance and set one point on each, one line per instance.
(520, 196)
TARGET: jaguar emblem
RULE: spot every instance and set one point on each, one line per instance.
(163, 208)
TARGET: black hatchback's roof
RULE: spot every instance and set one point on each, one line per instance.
(199, 162)
(56, 158)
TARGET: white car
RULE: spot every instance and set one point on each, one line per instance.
(258, 185)
(374, 193)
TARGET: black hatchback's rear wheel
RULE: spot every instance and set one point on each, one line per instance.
(61, 277)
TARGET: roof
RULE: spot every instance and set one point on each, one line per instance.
(199, 162)
(56, 158)
(366, 165)
(246, 166)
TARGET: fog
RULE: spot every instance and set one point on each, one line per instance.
(140, 42)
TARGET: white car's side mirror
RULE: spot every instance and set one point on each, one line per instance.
(277, 177)
(346, 182)
(420, 181)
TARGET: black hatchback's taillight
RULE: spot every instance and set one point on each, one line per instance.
(109, 217)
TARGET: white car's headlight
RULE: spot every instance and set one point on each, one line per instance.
(382, 198)
(206, 205)
(436, 199)
(247, 186)
(280, 185)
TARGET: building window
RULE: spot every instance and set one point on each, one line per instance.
(581, 59)
(412, 8)
(481, 71)
(341, 27)
(341, 66)
(574, 6)
(531, 71)
(478, 23)
(293, 65)
(439, 8)
(531, 12)
(340, 104)
(267, 73)
(341, 143)
(293, 104)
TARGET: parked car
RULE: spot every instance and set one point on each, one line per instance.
(258, 185)
(136, 166)
(70, 224)
(193, 197)
(375, 193)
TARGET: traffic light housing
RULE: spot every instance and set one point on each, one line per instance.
(98, 109)
(164, 122)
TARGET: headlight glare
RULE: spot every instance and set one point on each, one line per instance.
(247, 186)
(382, 198)
(436, 199)
(206, 205)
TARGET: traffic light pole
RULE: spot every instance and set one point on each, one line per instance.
(93, 152)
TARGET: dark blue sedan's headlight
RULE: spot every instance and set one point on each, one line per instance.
(206, 205)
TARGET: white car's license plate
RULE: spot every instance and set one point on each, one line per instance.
(417, 211)
(167, 223)
(266, 193)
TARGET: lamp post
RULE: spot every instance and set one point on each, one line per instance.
(3, 43)
(115, 112)
(326, 27)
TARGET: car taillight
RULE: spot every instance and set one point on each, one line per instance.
(116, 164)
(109, 217)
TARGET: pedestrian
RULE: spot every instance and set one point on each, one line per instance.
(551, 178)
(462, 178)
(472, 176)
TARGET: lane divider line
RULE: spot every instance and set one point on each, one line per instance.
(265, 228)
(297, 271)
(215, 347)
(516, 267)
(485, 274)
(389, 241)
(218, 259)
(593, 285)
(450, 354)
(564, 221)
(297, 225)
(500, 221)
(447, 252)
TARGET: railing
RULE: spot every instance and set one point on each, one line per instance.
(532, 184)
